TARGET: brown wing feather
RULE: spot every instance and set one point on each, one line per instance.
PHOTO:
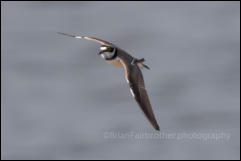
(103, 42)
(136, 82)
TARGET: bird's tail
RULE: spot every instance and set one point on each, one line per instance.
(141, 64)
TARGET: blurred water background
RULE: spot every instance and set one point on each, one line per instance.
(60, 100)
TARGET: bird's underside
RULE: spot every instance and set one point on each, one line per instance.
(116, 63)
(133, 77)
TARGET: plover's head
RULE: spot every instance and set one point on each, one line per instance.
(107, 52)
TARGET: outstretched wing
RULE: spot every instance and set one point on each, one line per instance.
(137, 87)
(103, 42)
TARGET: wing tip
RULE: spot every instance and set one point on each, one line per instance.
(77, 37)
(87, 38)
(157, 128)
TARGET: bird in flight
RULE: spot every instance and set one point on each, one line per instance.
(133, 75)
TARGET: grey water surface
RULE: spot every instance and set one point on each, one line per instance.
(60, 100)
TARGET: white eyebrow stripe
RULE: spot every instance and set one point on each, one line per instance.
(103, 48)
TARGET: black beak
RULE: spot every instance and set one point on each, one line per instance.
(100, 52)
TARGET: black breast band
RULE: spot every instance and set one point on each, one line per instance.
(114, 56)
